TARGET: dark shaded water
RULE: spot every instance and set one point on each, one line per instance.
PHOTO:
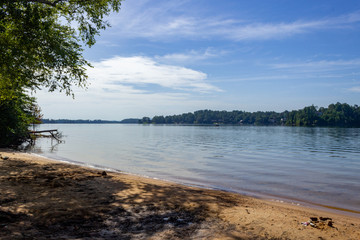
(317, 165)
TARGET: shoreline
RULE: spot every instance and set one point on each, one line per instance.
(253, 194)
(43, 197)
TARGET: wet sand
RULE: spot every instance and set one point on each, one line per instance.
(45, 199)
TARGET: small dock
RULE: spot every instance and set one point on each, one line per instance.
(53, 133)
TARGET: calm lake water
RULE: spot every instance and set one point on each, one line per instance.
(314, 165)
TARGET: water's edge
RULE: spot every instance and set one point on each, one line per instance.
(254, 194)
(317, 166)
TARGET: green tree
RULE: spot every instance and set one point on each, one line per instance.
(145, 120)
(158, 120)
(41, 47)
(16, 114)
(336, 115)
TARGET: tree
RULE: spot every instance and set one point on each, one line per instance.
(336, 115)
(41, 44)
(15, 117)
(158, 119)
(145, 120)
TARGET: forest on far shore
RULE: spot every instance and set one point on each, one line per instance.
(335, 115)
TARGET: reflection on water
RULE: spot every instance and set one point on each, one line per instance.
(319, 165)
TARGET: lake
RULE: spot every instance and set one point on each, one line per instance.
(320, 166)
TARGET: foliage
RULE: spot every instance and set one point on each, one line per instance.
(40, 46)
(336, 115)
(145, 120)
(16, 114)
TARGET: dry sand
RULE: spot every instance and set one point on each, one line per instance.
(45, 199)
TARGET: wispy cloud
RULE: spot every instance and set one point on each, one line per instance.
(323, 64)
(355, 89)
(189, 57)
(173, 19)
(265, 31)
(324, 70)
(131, 74)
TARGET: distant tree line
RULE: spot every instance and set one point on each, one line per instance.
(82, 121)
(335, 115)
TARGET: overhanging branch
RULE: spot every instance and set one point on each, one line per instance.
(51, 3)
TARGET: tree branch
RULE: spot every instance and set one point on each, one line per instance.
(51, 3)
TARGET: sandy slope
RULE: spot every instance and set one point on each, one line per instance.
(40, 199)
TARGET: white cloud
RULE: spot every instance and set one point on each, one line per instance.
(326, 73)
(129, 73)
(264, 31)
(355, 89)
(189, 57)
(173, 19)
(331, 70)
(324, 64)
(137, 86)
(122, 87)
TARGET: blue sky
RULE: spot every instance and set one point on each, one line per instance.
(170, 57)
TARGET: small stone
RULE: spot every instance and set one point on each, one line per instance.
(103, 173)
(5, 157)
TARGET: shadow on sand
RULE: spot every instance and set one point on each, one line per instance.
(63, 201)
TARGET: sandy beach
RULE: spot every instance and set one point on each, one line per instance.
(45, 199)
